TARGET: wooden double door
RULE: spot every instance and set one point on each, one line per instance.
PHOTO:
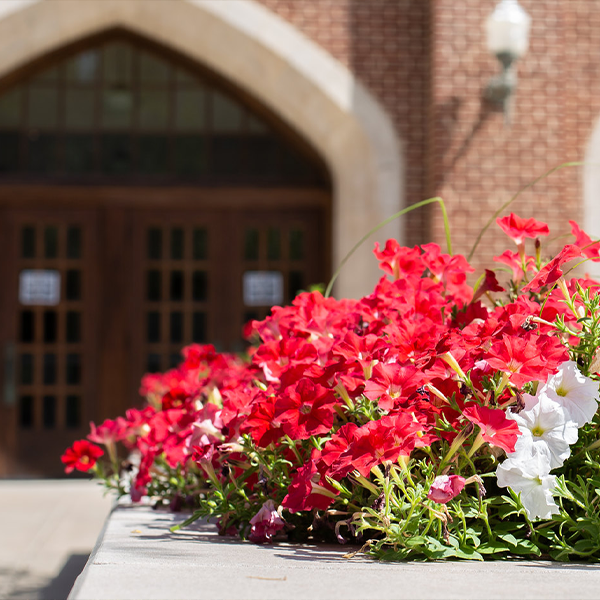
(95, 297)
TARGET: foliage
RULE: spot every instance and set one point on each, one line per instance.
(428, 420)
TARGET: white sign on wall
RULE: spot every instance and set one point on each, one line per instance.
(39, 288)
(263, 288)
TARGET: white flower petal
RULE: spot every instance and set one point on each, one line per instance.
(545, 429)
(574, 391)
(532, 479)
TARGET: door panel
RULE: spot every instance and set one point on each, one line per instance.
(285, 243)
(178, 271)
(49, 344)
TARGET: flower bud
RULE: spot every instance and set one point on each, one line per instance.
(446, 487)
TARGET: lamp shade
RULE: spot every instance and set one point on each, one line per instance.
(508, 29)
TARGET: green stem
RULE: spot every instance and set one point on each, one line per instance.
(385, 222)
(463, 537)
(509, 202)
(294, 449)
(428, 524)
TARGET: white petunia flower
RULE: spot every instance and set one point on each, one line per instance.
(574, 391)
(532, 478)
(545, 429)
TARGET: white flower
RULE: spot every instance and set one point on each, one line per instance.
(532, 478)
(573, 390)
(545, 429)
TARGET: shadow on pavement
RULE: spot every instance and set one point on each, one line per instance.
(25, 585)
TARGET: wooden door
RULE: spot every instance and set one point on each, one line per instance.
(48, 339)
(135, 285)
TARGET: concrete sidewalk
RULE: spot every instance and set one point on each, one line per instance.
(47, 531)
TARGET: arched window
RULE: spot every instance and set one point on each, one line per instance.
(118, 109)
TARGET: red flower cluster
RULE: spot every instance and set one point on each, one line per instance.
(336, 389)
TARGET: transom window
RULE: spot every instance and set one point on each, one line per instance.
(120, 110)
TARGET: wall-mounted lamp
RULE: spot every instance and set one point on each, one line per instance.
(507, 38)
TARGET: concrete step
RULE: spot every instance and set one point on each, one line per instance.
(137, 557)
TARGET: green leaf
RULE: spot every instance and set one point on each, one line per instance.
(394, 555)
(586, 546)
(526, 547)
(469, 553)
(417, 540)
(492, 547)
(509, 538)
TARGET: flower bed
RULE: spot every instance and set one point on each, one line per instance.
(430, 419)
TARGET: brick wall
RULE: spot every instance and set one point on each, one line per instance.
(427, 64)
(478, 162)
(385, 43)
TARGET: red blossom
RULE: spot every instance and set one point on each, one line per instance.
(397, 260)
(108, 432)
(305, 409)
(517, 356)
(588, 246)
(551, 272)
(82, 455)
(518, 229)
(385, 439)
(489, 284)
(449, 270)
(515, 263)
(265, 523)
(389, 384)
(496, 428)
(261, 424)
(304, 491)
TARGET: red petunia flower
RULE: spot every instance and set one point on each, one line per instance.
(82, 455)
(265, 523)
(308, 490)
(552, 272)
(108, 432)
(495, 427)
(261, 424)
(517, 229)
(513, 261)
(385, 439)
(450, 271)
(398, 260)
(391, 383)
(517, 356)
(489, 284)
(305, 409)
(588, 246)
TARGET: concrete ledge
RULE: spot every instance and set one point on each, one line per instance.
(137, 557)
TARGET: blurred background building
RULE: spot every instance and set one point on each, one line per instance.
(171, 168)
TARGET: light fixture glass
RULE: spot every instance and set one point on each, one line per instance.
(508, 29)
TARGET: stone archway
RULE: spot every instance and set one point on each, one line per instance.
(289, 73)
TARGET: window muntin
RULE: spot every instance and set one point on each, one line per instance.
(120, 111)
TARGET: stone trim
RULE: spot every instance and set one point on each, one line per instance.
(591, 195)
(137, 557)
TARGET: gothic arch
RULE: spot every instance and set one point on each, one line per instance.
(246, 43)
